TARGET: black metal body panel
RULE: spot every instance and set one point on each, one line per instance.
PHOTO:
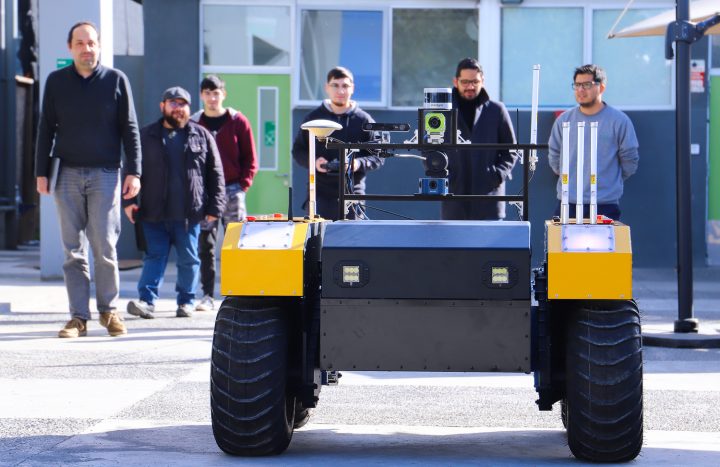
(451, 260)
(425, 335)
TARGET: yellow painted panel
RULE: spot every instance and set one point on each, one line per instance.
(262, 272)
(597, 276)
(589, 275)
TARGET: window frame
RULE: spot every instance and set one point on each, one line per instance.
(297, 102)
(589, 7)
(445, 6)
(248, 69)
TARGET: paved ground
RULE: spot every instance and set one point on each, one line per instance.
(143, 399)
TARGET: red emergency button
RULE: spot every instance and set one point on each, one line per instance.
(250, 218)
(277, 215)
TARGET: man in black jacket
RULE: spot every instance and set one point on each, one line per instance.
(183, 184)
(478, 172)
(87, 112)
(340, 108)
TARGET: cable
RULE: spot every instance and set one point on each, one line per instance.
(389, 212)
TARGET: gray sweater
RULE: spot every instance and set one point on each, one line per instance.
(617, 153)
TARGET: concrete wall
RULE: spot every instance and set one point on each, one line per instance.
(172, 52)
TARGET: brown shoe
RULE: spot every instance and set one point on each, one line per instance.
(113, 323)
(76, 327)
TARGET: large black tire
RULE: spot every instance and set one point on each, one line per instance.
(604, 400)
(252, 410)
(563, 412)
(302, 416)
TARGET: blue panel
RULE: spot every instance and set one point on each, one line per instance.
(361, 51)
(428, 234)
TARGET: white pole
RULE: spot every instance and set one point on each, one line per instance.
(564, 174)
(593, 171)
(580, 171)
(311, 182)
(534, 114)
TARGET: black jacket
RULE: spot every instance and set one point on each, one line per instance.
(205, 194)
(352, 132)
(481, 172)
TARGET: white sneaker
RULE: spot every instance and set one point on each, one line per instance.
(206, 304)
(141, 308)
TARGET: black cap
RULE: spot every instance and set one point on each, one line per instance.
(176, 92)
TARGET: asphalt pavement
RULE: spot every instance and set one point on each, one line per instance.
(143, 398)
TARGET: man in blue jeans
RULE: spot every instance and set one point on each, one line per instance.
(87, 112)
(183, 184)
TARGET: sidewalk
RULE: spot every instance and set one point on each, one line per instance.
(655, 290)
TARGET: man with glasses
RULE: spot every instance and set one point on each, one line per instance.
(338, 107)
(183, 184)
(617, 145)
(478, 172)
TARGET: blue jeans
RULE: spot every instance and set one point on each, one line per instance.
(158, 237)
(88, 204)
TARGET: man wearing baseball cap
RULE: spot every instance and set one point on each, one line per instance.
(183, 184)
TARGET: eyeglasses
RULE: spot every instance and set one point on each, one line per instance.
(176, 104)
(586, 85)
(469, 82)
(336, 86)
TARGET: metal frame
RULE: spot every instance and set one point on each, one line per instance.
(345, 147)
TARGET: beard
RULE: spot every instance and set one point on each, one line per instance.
(176, 120)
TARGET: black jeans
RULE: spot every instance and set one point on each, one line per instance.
(608, 210)
(206, 252)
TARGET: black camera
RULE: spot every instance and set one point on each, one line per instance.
(436, 169)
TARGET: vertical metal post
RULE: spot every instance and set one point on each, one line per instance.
(312, 197)
(580, 166)
(534, 113)
(593, 171)
(685, 321)
(341, 187)
(565, 175)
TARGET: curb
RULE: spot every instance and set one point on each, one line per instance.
(681, 341)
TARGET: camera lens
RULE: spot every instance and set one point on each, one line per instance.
(434, 122)
(433, 184)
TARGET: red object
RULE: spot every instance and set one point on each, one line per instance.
(601, 219)
(236, 146)
(277, 215)
(250, 218)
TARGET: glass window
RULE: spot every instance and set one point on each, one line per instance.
(427, 45)
(236, 35)
(551, 37)
(715, 51)
(630, 60)
(348, 38)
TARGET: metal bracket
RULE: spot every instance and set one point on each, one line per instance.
(330, 377)
(686, 31)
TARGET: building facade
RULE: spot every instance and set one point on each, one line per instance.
(274, 55)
